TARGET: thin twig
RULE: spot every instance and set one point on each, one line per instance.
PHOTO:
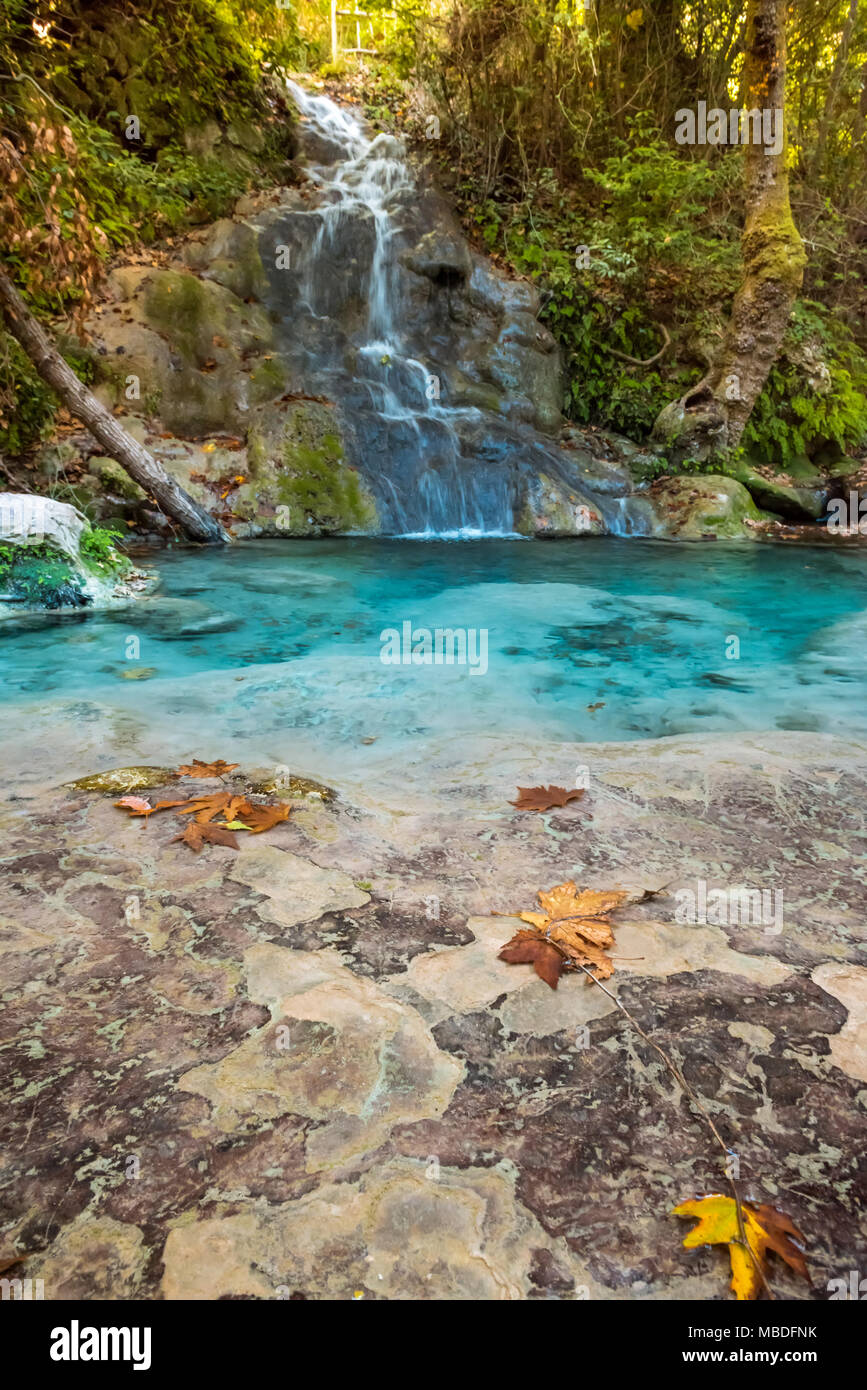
(696, 1101)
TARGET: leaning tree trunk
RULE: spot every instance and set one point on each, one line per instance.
(709, 420)
(198, 524)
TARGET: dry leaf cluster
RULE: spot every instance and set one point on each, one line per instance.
(235, 812)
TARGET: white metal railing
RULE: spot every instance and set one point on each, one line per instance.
(357, 15)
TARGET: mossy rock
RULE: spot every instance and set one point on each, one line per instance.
(267, 381)
(704, 505)
(552, 508)
(288, 788)
(201, 355)
(230, 255)
(40, 577)
(124, 780)
(299, 481)
(192, 312)
(793, 503)
(323, 494)
(115, 479)
(246, 136)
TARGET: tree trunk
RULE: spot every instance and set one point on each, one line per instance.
(709, 420)
(141, 466)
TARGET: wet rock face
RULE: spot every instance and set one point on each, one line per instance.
(449, 387)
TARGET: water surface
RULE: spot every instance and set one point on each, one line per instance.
(588, 640)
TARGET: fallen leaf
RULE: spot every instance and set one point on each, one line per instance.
(218, 835)
(195, 835)
(529, 948)
(204, 808)
(543, 798)
(259, 818)
(574, 922)
(136, 805)
(765, 1227)
(199, 769)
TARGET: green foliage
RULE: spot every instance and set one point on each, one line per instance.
(98, 546)
(791, 420)
(26, 404)
(132, 199)
(537, 102)
(643, 220)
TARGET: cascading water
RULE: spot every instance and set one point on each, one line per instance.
(434, 362)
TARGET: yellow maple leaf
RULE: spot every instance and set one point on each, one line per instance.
(575, 921)
(765, 1229)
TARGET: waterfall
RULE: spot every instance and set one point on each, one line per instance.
(393, 345)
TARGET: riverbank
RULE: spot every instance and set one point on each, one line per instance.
(164, 1137)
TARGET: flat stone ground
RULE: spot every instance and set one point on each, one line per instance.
(301, 1070)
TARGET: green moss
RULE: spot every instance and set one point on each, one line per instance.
(126, 779)
(695, 506)
(325, 494)
(257, 455)
(38, 576)
(115, 479)
(184, 309)
(797, 503)
(320, 490)
(267, 381)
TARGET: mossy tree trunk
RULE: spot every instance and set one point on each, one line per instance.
(141, 466)
(709, 420)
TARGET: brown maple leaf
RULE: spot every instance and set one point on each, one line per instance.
(573, 922)
(195, 835)
(259, 818)
(529, 948)
(205, 808)
(199, 769)
(543, 798)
